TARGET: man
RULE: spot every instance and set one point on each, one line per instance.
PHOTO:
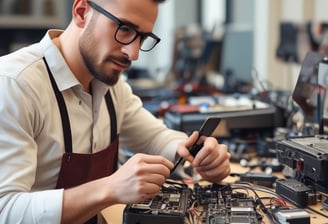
(63, 110)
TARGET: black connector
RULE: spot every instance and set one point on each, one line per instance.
(259, 178)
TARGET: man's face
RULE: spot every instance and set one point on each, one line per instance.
(103, 55)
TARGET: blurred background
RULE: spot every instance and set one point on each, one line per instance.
(250, 31)
(209, 48)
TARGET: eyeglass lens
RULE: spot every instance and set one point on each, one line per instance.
(126, 35)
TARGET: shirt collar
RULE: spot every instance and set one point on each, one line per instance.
(63, 75)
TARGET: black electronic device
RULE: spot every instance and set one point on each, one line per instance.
(236, 120)
(294, 191)
(206, 130)
(259, 178)
(308, 157)
(168, 206)
(253, 122)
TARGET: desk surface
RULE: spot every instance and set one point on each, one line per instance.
(114, 214)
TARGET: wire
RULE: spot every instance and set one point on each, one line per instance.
(257, 188)
(258, 199)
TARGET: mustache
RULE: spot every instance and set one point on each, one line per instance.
(120, 59)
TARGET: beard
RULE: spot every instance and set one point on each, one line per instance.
(108, 77)
(88, 50)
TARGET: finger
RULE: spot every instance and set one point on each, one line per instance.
(210, 165)
(221, 154)
(156, 179)
(153, 159)
(215, 160)
(148, 183)
(216, 175)
(207, 153)
(147, 188)
(149, 169)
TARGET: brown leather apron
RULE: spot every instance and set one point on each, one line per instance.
(77, 168)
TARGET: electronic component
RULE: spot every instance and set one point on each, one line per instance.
(232, 210)
(169, 206)
(258, 178)
(292, 216)
(221, 205)
(308, 156)
(293, 191)
(218, 203)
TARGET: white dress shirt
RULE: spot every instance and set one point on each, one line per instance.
(31, 137)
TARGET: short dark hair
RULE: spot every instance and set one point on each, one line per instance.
(159, 1)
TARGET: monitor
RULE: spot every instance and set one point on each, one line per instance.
(237, 57)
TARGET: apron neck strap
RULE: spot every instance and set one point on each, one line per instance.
(65, 118)
(112, 115)
(63, 111)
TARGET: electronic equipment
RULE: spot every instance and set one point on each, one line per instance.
(293, 191)
(169, 206)
(258, 178)
(308, 157)
(237, 119)
(237, 60)
(221, 205)
(290, 215)
(268, 166)
(242, 120)
(218, 203)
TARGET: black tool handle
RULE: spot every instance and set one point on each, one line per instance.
(206, 129)
(195, 149)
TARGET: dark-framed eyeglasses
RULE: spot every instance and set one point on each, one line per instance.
(125, 34)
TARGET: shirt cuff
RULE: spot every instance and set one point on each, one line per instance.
(47, 206)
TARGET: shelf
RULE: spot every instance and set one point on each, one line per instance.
(36, 14)
(23, 22)
(16, 22)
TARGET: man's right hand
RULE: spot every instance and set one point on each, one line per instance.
(139, 178)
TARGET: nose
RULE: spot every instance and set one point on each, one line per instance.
(132, 49)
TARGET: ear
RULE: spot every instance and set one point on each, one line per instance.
(80, 10)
